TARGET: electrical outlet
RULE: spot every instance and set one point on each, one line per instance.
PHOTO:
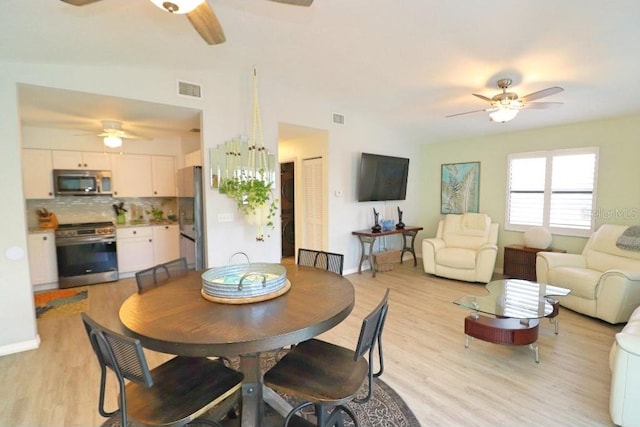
(225, 217)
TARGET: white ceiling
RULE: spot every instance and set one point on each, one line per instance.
(408, 62)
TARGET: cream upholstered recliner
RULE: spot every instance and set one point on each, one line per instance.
(465, 248)
(604, 279)
(624, 362)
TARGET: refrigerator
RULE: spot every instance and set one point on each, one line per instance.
(191, 216)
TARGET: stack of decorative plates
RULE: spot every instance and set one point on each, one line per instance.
(244, 283)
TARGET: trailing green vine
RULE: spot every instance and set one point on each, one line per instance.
(252, 195)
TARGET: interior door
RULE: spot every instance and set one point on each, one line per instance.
(287, 209)
(313, 212)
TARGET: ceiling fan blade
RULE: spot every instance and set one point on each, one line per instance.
(79, 2)
(469, 112)
(206, 24)
(542, 93)
(305, 3)
(484, 98)
(541, 105)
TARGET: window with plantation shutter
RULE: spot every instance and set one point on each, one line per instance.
(555, 189)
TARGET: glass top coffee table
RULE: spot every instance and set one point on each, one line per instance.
(515, 307)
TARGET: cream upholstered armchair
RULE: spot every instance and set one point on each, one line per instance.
(465, 248)
(624, 362)
(604, 279)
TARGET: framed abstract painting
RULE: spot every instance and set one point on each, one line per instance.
(460, 188)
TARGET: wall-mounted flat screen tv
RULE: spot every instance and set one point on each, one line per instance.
(382, 178)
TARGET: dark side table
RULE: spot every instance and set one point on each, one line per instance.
(520, 261)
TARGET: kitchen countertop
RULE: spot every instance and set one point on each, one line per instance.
(147, 223)
(35, 230)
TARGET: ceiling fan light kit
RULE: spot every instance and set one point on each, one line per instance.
(178, 6)
(112, 141)
(503, 115)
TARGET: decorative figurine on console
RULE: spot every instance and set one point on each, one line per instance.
(400, 224)
(376, 228)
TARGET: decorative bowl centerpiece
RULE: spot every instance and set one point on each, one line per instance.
(244, 283)
(387, 224)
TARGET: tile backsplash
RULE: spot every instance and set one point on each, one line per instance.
(72, 209)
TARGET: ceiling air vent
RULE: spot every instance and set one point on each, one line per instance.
(338, 118)
(189, 89)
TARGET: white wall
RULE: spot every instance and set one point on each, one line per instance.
(226, 112)
(17, 311)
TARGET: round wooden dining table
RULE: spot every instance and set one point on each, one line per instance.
(176, 319)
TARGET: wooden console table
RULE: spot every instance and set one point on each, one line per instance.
(367, 236)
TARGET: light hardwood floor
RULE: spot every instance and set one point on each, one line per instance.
(425, 361)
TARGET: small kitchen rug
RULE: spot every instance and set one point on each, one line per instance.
(61, 302)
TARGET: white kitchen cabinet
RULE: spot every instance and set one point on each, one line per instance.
(37, 175)
(131, 175)
(166, 243)
(135, 248)
(43, 265)
(163, 173)
(88, 160)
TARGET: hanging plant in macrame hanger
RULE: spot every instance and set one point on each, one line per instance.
(249, 174)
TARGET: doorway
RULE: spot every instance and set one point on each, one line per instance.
(287, 209)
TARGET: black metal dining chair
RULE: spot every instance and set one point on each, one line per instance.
(327, 376)
(174, 393)
(320, 259)
(153, 276)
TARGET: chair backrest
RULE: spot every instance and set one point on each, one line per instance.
(370, 336)
(161, 273)
(122, 354)
(469, 230)
(372, 328)
(320, 259)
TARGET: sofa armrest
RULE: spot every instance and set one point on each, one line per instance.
(629, 275)
(617, 295)
(488, 247)
(486, 262)
(429, 248)
(546, 261)
(435, 243)
(629, 342)
(559, 259)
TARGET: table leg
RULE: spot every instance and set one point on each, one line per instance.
(371, 240)
(252, 406)
(409, 247)
(364, 255)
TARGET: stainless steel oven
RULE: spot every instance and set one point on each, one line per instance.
(86, 253)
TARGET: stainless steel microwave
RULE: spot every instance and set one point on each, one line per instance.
(81, 182)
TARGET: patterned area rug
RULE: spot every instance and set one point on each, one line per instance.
(385, 409)
(61, 302)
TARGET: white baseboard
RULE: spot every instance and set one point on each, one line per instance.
(21, 346)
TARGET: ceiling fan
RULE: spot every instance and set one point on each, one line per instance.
(113, 134)
(506, 105)
(199, 14)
